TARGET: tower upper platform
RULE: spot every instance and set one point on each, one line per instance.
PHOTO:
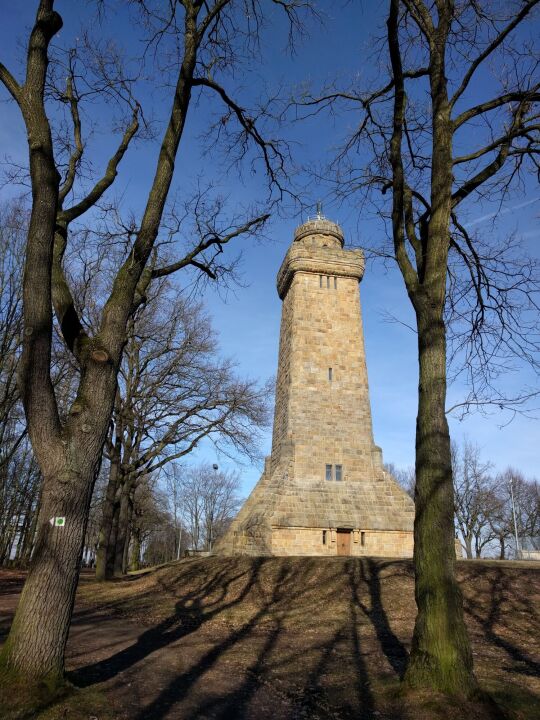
(320, 232)
(318, 248)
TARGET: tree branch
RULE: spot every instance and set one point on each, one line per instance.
(531, 95)
(525, 10)
(78, 151)
(13, 87)
(398, 183)
(190, 258)
(69, 214)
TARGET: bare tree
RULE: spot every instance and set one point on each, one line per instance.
(154, 532)
(13, 225)
(434, 147)
(210, 500)
(20, 479)
(405, 477)
(207, 39)
(173, 392)
(474, 499)
(173, 494)
(516, 509)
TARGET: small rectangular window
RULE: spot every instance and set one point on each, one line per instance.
(324, 537)
(320, 281)
(335, 283)
(328, 281)
(339, 475)
(330, 374)
(329, 472)
(362, 538)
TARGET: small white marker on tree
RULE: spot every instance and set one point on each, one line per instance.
(58, 521)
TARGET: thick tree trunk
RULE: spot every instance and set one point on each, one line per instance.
(135, 562)
(441, 657)
(104, 566)
(122, 536)
(38, 636)
(68, 453)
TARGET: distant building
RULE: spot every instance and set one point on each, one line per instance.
(530, 548)
(324, 490)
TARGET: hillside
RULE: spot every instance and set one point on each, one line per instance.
(284, 638)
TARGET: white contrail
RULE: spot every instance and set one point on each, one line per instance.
(506, 210)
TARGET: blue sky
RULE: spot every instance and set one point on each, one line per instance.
(247, 320)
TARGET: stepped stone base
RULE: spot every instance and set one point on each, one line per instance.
(287, 516)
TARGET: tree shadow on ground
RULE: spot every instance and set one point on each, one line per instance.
(191, 612)
(368, 571)
(305, 669)
(498, 599)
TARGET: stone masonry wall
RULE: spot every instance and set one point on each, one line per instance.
(309, 541)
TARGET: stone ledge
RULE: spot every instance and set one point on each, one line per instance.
(319, 261)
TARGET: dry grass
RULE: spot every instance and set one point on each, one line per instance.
(258, 638)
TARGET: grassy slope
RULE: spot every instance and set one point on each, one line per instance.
(319, 600)
(337, 630)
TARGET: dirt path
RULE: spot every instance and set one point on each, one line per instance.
(173, 672)
(282, 639)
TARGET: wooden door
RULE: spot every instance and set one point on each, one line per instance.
(343, 542)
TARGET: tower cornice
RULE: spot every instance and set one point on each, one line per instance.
(319, 261)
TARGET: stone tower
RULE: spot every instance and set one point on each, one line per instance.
(324, 490)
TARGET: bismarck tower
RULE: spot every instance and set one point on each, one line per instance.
(324, 490)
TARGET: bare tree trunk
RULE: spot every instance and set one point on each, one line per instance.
(106, 528)
(29, 539)
(135, 561)
(38, 636)
(122, 537)
(440, 655)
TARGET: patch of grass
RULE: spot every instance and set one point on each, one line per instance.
(20, 700)
(87, 704)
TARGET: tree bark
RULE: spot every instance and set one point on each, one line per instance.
(135, 561)
(441, 657)
(122, 537)
(103, 558)
(37, 639)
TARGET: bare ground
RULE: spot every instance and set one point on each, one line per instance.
(285, 639)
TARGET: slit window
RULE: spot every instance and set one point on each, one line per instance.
(335, 283)
(339, 473)
(329, 472)
(362, 538)
(320, 281)
(324, 537)
(328, 281)
(330, 374)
